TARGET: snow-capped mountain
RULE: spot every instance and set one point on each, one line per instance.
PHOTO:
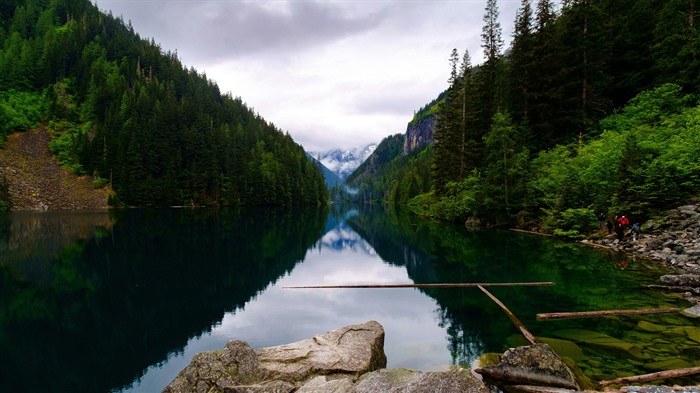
(343, 162)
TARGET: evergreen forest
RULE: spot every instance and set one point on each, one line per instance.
(122, 110)
(592, 109)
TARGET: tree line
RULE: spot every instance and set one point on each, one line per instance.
(590, 110)
(128, 113)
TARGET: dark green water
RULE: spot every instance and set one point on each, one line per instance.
(121, 301)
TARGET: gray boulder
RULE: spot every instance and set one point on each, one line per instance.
(685, 280)
(341, 353)
(534, 365)
(350, 350)
(456, 380)
(213, 371)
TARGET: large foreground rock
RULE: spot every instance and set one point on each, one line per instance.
(345, 352)
(345, 360)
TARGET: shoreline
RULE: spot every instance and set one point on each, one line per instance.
(670, 240)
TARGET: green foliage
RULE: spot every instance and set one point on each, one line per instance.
(99, 182)
(430, 109)
(65, 143)
(389, 176)
(461, 201)
(20, 110)
(120, 108)
(647, 159)
(573, 222)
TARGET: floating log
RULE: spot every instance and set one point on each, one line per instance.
(436, 285)
(531, 232)
(528, 336)
(680, 372)
(593, 314)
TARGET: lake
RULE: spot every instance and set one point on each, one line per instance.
(120, 301)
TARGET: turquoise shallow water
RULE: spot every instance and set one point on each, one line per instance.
(121, 301)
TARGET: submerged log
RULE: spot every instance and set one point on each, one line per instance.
(606, 313)
(681, 372)
(528, 336)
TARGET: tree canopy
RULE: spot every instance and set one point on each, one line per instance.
(130, 114)
(591, 110)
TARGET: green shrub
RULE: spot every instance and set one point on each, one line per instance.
(579, 220)
(66, 137)
(21, 110)
(99, 182)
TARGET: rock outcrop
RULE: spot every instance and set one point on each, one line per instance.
(419, 134)
(343, 353)
(346, 360)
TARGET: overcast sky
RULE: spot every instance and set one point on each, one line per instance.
(334, 74)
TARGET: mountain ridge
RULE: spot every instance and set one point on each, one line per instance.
(342, 162)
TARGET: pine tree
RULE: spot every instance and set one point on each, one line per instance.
(521, 62)
(447, 135)
(676, 49)
(492, 44)
(543, 97)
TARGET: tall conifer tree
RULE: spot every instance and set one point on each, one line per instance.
(447, 135)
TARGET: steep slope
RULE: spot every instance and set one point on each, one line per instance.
(120, 107)
(331, 178)
(37, 182)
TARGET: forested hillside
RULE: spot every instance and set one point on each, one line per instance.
(592, 109)
(128, 113)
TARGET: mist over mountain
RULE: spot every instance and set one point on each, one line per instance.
(344, 162)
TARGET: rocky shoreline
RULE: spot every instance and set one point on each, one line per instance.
(671, 239)
(351, 359)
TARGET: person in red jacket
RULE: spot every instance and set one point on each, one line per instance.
(624, 221)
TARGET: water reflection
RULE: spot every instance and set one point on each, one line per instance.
(108, 307)
(121, 301)
(279, 315)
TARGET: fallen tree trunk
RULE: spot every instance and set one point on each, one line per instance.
(681, 372)
(606, 313)
(528, 336)
(435, 285)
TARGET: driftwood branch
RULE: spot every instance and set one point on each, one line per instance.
(528, 336)
(606, 313)
(681, 372)
(438, 285)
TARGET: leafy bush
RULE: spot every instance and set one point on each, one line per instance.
(66, 139)
(582, 220)
(20, 110)
(646, 159)
(99, 182)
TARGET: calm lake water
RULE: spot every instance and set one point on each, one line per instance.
(120, 301)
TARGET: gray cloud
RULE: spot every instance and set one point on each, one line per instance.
(335, 73)
(214, 30)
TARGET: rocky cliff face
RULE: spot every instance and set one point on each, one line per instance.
(419, 134)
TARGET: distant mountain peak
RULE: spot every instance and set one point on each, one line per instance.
(343, 162)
